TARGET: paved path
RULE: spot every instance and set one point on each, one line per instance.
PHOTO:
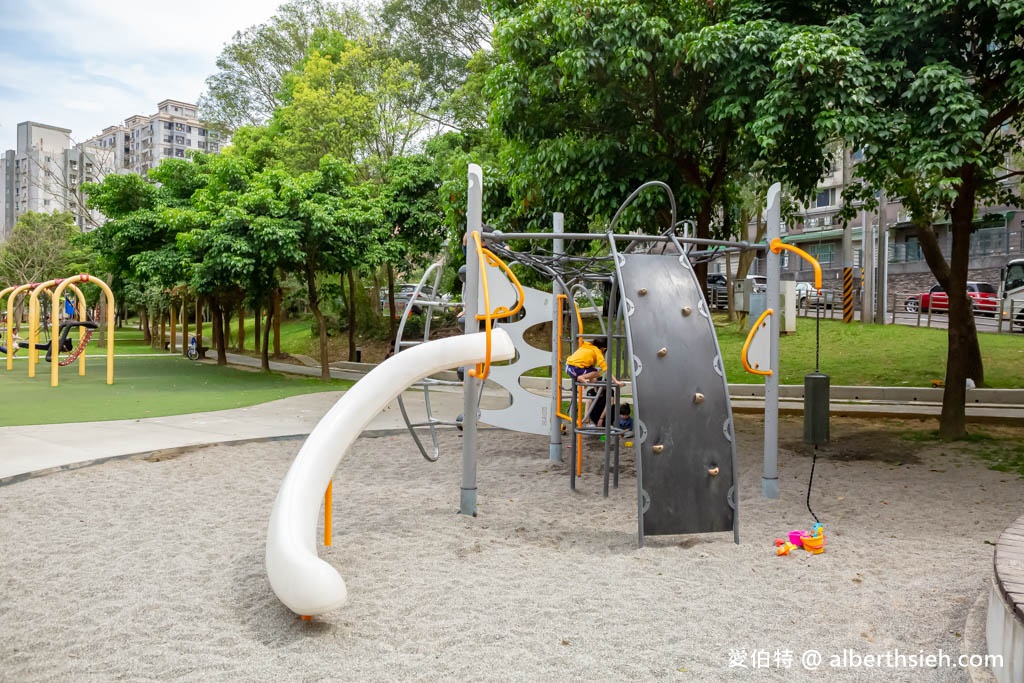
(40, 449)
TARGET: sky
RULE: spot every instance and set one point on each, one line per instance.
(89, 64)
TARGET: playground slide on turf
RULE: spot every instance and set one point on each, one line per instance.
(306, 584)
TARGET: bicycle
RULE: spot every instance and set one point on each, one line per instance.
(193, 349)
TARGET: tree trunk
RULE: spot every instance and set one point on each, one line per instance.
(392, 313)
(963, 355)
(351, 315)
(174, 328)
(184, 326)
(257, 334)
(314, 306)
(147, 335)
(276, 316)
(241, 328)
(220, 339)
(265, 347)
(154, 323)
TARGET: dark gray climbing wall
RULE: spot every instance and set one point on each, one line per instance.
(683, 417)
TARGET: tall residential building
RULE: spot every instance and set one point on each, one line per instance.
(47, 169)
(42, 175)
(171, 132)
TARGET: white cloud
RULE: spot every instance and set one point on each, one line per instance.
(88, 64)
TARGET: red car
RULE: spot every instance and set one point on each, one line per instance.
(984, 298)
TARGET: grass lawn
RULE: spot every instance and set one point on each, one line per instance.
(143, 387)
(150, 386)
(873, 355)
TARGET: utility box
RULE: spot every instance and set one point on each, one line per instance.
(787, 288)
(741, 292)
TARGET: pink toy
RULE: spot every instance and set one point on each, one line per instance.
(795, 538)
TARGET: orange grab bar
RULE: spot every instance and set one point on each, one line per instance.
(486, 257)
(777, 246)
(746, 345)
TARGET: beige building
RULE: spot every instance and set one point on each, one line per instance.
(172, 132)
(43, 175)
(46, 171)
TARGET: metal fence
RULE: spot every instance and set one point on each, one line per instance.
(917, 309)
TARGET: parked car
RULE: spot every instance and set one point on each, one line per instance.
(402, 295)
(984, 299)
(808, 296)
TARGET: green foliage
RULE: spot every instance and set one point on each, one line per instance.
(598, 97)
(446, 40)
(251, 68)
(41, 247)
(410, 207)
(351, 99)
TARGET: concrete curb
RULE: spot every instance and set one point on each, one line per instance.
(169, 453)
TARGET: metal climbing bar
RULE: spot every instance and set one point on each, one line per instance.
(485, 258)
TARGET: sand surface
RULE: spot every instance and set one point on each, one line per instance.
(152, 570)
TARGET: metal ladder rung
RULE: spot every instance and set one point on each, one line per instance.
(433, 423)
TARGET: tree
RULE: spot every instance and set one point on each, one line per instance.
(931, 91)
(42, 246)
(411, 215)
(599, 97)
(252, 67)
(137, 245)
(221, 260)
(350, 99)
(323, 112)
(448, 42)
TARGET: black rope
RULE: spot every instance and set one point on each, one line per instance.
(810, 481)
(817, 334)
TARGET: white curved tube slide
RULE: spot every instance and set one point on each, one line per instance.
(306, 584)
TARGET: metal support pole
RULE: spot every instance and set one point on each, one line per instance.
(555, 445)
(867, 243)
(847, 274)
(882, 269)
(770, 478)
(471, 385)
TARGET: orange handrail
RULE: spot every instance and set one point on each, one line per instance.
(484, 258)
(777, 245)
(754, 370)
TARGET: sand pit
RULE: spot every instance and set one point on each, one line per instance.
(143, 570)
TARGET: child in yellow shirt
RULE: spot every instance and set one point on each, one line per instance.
(587, 362)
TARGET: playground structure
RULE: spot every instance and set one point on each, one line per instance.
(78, 320)
(658, 326)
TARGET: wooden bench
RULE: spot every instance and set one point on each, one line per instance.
(1005, 623)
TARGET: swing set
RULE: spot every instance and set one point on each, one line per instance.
(77, 319)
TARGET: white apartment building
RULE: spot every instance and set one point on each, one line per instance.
(47, 169)
(43, 175)
(172, 132)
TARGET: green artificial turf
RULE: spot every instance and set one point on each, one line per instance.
(144, 386)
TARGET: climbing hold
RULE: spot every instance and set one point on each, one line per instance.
(687, 310)
(658, 448)
(713, 471)
(662, 352)
(698, 397)
(643, 291)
